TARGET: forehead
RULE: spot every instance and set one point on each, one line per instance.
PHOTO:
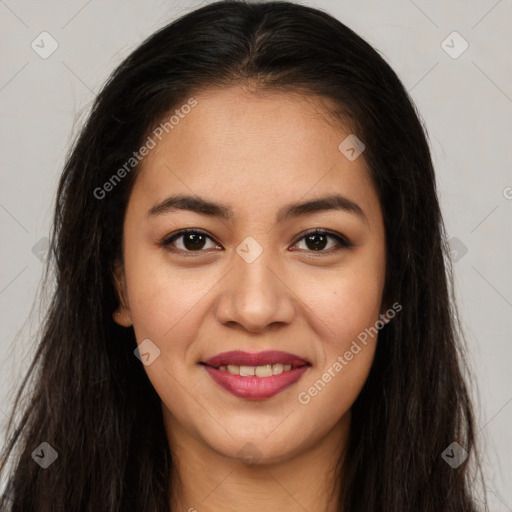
(253, 149)
(233, 121)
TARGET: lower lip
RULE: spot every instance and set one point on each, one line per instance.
(256, 388)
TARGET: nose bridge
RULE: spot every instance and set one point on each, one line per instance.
(253, 295)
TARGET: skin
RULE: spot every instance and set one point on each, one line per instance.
(254, 153)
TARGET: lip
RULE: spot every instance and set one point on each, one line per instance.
(255, 388)
(241, 358)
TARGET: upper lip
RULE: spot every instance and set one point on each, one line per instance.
(241, 358)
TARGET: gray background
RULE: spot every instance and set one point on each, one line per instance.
(466, 104)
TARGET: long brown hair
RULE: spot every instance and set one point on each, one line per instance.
(90, 398)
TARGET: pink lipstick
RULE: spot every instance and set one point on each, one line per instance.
(255, 376)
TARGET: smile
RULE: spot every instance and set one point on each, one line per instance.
(270, 372)
(258, 371)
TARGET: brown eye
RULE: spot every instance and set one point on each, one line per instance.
(189, 241)
(196, 241)
(318, 241)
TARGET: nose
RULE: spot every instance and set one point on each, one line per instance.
(255, 296)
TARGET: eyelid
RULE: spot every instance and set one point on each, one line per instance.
(343, 242)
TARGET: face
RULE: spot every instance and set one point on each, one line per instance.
(249, 275)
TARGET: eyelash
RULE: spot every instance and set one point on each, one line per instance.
(342, 241)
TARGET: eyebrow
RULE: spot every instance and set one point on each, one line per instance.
(205, 207)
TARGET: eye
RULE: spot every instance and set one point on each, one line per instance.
(316, 240)
(195, 241)
(192, 240)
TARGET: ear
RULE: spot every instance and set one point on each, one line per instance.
(122, 315)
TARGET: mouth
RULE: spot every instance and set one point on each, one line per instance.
(266, 370)
(255, 376)
(255, 359)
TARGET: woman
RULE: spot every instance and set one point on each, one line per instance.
(252, 306)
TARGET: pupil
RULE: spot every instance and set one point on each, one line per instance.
(193, 241)
(314, 239)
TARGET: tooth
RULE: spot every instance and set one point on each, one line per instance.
(234, 369)
(247, 371)
(266, 370)
(263, 371)
(277, 369)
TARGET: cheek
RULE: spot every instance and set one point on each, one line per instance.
(333, 389)
(347, 311)
(345, 306)
(164, 301)
(160, 292)
(345, 303)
